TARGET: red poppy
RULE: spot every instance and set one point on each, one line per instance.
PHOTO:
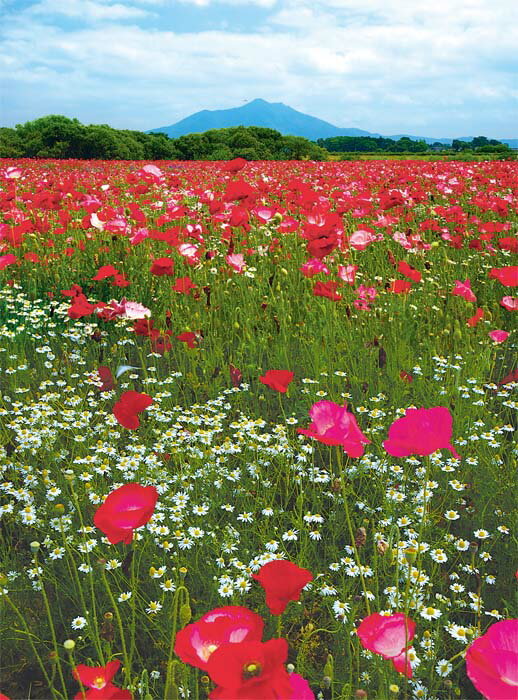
(98, 680)
(190, 338)
(235, 375)
(183, 285)
(126, 408)
(80, 307)
(235, 165)
(479, 314)
(195, 643)
(405, 269)
(104, 272)
(389, 636)
(334, 425)
(400, 287)
(125, 509)
(162, 266)
(326, 289)
(508, 276)
(282, 581)
(106, 377)
(278, 379)
(250, 671)
(421, 431)
(405, 376)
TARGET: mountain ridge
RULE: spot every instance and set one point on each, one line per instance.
(277, 115)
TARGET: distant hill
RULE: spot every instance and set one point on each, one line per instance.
(276, 115)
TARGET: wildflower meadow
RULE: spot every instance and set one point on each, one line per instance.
(258, 430)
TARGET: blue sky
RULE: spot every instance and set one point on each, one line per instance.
(441, 68)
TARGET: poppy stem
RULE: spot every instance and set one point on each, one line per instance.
(279, 626)
(350, 525)
(127, 664)
(169, 681)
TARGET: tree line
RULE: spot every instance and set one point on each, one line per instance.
(383, 144)
(56, 136)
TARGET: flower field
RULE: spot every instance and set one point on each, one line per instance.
(258, 429)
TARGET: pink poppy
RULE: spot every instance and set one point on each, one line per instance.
(421, 431)
(124, 510)
(334, 425)
(498, 336)
(509, 303)
(300, 688)
(347, 273)
(463, 289)
(390, 636)
(314, 267)
(6, 260)
(492, 661)
(236, 261)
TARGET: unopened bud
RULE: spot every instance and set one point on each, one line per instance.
(360, 693)
(326, 682)
(410, 555)
(59, 508)
(69, 644)
(35, 547)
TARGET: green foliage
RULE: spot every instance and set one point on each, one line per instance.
(56, 136)
(370, 144)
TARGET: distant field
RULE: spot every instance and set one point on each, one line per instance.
(210, 367)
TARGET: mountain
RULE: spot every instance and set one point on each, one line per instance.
(276, 115)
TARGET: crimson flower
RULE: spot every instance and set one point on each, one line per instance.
(479, 314)
(190, 338)
(277, 379)
(282, 581)
(106, 377)
(162, 266)
(508, 276)
(421, 431)
(196, 642)
(98, 680)
(492, 661)
(105, 271)
(250, 671)
(183, 285)
(124, 510)
(235, 165)
(463, 289)
(326, 289)
(334, 425)
(405, 269)
(389, 636)
(126, 408)
(400, 287)
(235, 375)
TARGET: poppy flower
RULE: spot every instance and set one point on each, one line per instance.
(106, 378)
(278, 379)
(347, 273)
(463, 289)
(235, 375)
(508, 276)
(162, 266)
(406, 377)
(408, 271)
(183, 285)
(282, 581)
(234, 165)
(126, 508)
(300, 689)
(421, 431)
(334, 425)
(190, 338)
(126, 408)
(314, 267)
(98, 680)
(479, 314)
(509, 303)
(492, 661)
(6, 260)
(326, 289)
(80, 307)
(400, 287)
(250, 671)
(104, 272)
(389, 636)
(195, 643)
(498, 336)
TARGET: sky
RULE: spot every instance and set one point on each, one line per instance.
(439, 68)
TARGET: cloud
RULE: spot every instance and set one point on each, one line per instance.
(383, 66)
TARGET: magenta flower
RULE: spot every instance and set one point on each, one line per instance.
(421, 431)
(498, 336)
(463, 289)
(492, 661)
(389, 636)
(333, 425)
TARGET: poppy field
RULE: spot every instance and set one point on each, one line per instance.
(258, 430)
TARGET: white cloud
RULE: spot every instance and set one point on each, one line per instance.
(381, 65)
